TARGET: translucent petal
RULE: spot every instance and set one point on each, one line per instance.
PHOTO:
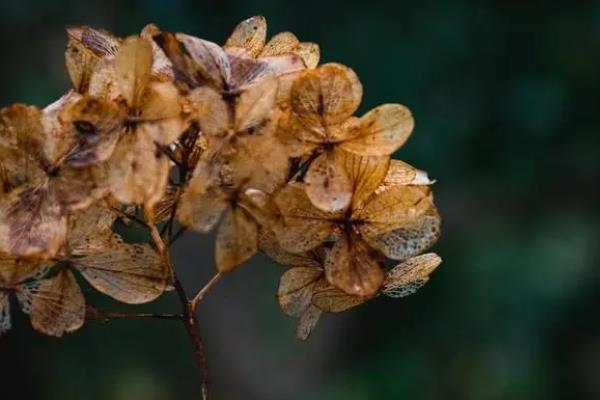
(267, 242)
(130, 273)
(407, 277)
(382, 131)
(32, 223)
(296, 288)
(408, 241)
(282, 43)
(14, 270)
(308, 322)
(365, 173)
(328, 298)
(249, 35)
(86, 50)
(5, 322)
(327, 184)
(326, 96)
(393, 208)
(133, 67)
(210, 60)
(138, 171)
(351, 267)
(310, 54)
(304, 226)
(237, 239)
(247, 72)
(57, 304)
(200, 208)
(162, 113)
(95, 125)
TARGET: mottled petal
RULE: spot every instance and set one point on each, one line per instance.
(407, 277)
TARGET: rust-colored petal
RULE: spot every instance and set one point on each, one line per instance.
(351, 267)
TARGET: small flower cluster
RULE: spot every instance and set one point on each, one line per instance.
(253, 139)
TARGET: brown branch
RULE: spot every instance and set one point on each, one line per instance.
(189, 316)
(200, 295)
(94, 314)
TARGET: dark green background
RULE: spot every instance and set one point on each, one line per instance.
(506, 99)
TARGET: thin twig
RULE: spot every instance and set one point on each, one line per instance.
(131, 217)
(189, 317)
(95, 314)
(200, 295)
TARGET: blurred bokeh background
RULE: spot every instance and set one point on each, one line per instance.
(506, 97)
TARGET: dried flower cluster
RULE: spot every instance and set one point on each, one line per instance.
(253, 139)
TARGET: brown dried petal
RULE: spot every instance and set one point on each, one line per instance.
(130, 273)
(249, 35)
(237, 239)
(133, 67)
(327, 184)
(296, 289)
(328, 298)
(57, 304)
(383, 130)
(407, 277)
(351, 267)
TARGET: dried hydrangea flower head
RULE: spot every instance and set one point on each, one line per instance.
(253, 139)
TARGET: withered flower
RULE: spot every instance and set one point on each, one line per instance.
(320, 122)
(250, 36)
(304, 292)
(352, 264)
(55, 305)
(138, 170)
(51, 163)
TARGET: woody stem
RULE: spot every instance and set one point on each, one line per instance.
(189, 316)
